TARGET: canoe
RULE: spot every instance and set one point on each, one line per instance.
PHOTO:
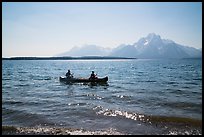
(72, 80)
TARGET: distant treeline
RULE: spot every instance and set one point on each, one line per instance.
(65, 58)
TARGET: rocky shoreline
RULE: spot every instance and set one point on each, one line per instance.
(38, 130)
(11, 130)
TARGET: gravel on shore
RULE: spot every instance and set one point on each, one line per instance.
(11, 130)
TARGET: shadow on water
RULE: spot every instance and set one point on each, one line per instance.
(90, 84)
(94, 84)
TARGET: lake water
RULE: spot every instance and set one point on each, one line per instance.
(142, 96)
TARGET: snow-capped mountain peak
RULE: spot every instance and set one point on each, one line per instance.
(152, 36)
(149, 39)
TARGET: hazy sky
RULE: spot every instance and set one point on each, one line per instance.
(46, 29)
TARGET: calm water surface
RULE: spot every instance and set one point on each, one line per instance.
(141, 97)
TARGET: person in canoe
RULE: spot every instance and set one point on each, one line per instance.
(93, 76)
(69, 75)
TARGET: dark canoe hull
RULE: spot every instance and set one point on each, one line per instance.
(79, 80)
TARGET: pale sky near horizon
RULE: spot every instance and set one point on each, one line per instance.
(50, 28)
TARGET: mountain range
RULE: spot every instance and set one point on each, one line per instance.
(151, 46)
